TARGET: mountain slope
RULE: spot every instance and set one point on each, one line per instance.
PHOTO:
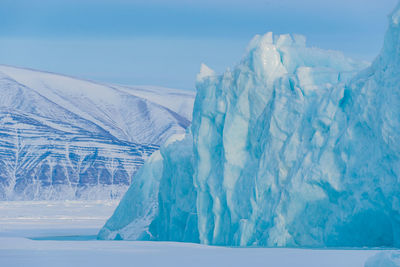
(114, 110)
(62, 137)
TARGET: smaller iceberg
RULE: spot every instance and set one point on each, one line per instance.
(160, 203)
(384, 259)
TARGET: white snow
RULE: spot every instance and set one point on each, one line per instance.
(179, 101)
(63, 232)
(66, 138)
(30, 219)
(130, 114)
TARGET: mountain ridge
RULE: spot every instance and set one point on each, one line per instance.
(48, 122)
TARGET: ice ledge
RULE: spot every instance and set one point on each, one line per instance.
(205, 72)
(395, 15)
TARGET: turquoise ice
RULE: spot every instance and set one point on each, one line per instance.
(295, 146)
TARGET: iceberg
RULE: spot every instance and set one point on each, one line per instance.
(384, 259)
(293, 147)
(155, 190)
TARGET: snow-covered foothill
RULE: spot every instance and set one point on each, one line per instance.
(65, 138)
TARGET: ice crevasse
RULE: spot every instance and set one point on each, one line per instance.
(295, 146)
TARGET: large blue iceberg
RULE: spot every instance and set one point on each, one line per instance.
(295, 146)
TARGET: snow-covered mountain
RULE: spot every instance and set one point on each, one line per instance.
(63, 138)
(295, 146)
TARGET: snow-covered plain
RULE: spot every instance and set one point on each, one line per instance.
(40, 234)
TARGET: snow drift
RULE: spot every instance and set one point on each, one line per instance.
(293, 147)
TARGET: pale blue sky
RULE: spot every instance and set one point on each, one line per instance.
(164, 42)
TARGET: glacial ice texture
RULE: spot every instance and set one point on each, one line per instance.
(295, 146)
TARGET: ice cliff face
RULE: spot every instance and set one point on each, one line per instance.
(64, 138)
(260, 139)
(290, 148)
(160, 204)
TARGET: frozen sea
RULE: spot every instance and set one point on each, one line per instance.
(64, 234)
